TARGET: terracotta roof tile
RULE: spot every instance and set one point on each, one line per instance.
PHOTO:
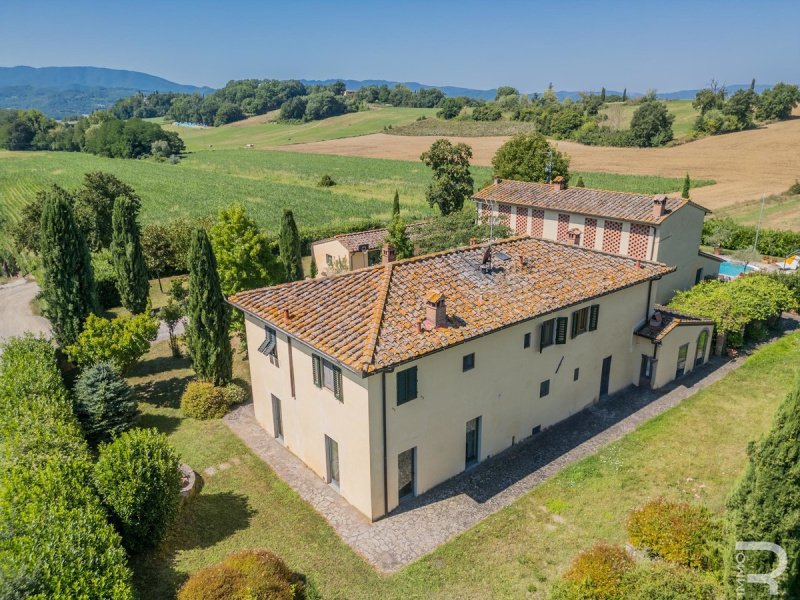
(669, 320)
(368, 319)
(372, 238)
(587, 201)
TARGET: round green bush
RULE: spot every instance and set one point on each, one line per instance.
(248, 575)
(326, 181)
(234, 394)
(104, 402)
(597, 574)
(677, 532)
(138, 480)
(203, 400)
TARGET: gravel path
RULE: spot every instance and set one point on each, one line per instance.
(16, 316)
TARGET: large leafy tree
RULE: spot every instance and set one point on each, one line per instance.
(209, 318)
(766, 504)
(777, 102)
(397, 236)
(289, 247)
(127, 256)
(68, 287)
(525, 157)
(94, 205)
(651, 124)
(452, 181)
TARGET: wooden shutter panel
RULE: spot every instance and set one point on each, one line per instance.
(337, 383)
(541, 337)
(594, 313)
(561, 330)
(575, 323)
(316, 367)
(412, 383)
(401, 387)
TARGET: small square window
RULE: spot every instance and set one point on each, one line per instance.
(329, 260)
(526, 342)
(576, 374)
(468, 362)
(544, 388)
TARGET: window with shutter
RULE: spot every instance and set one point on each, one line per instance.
(316, 367)
(594, 313)
(547, 334)
(406, 385)
(337, 384)
(561, 330)
(526, 341)
(580, 321)
(575, 323)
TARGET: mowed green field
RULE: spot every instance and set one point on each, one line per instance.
(262, 132)
(266, 182)
(619, 116)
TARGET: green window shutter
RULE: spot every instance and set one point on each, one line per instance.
(316, 367)
(337, 383)
(412, 383)
(575, 323)
(561, 329)
(401, 387)
(594, 312)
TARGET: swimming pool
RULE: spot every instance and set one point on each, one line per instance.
(733, 269)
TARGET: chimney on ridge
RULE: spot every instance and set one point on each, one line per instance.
(659, 206)
(559, 183)
(497, 180)
(388, 254)
(435, 311)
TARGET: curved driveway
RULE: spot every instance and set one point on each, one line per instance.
(16, 316)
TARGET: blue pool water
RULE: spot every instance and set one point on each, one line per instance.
(732, 269)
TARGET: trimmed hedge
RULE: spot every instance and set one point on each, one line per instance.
(234, 394)
(248, 575)
(55, 542)
(597, 573)
(203, 400)
(137, 477)
(677, 532)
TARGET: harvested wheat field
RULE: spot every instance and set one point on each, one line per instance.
(744, 165)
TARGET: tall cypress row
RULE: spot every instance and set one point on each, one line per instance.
(289, 246)
(209, 317)
(127, 256)
(68, 286)
(396, 204)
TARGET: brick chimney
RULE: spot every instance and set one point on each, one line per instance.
(388, 254)
(435, 311)
(559, 183)
(659, 206)
(497, 180)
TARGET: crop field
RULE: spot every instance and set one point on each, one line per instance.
(263, 132)
(442, 127)
(619, 116)
(266, 182)
(780, 212)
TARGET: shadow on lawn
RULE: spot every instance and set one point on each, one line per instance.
(164, 423)
(164, 392)
(206, 520)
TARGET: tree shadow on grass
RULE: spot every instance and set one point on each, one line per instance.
(164, 423)
(163, 392)
(204, 521)
(159, 364)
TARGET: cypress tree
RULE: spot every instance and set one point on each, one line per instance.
(580, 182)
(68, 287)
(624, 94)
(603, 94)
(687, 183)
(209, 318)
(398, 237)
(289, 247)
(764, 507)
(396, 204)
(753, 85)
(127, 256)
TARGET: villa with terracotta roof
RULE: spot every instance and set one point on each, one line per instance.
(389, 380)
(658, 228)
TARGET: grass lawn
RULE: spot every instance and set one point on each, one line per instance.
(780, 212)
(693, 452)
(467, 128)
(265, 181)
(262, 132)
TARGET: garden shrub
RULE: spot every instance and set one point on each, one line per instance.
(595, 574)
(55, 542)
(121, 341)
(104, 402)
(677, 532)
(661, 581)
(234, 394)
(248, 575)
(137, 478)
(105, 280)
(203, 400)
(326, 181)
(726, 233)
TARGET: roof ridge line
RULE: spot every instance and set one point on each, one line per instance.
(377, 318)
(668, 195)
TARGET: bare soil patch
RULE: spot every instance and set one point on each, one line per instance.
(745, 165)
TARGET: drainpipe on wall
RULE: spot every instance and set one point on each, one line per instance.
(385, 450)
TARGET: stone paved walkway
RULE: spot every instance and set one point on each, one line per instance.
(425, 522)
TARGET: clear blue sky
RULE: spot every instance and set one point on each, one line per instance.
(578, 45)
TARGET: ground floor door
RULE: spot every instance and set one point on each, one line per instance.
(473, 437)
(277, 418)
(332, 456)
(406, 473)
(605, 377)
(680, 368)
(646, 372)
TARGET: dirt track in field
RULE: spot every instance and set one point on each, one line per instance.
(744, 165)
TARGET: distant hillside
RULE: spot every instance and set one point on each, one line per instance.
(64, 91)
